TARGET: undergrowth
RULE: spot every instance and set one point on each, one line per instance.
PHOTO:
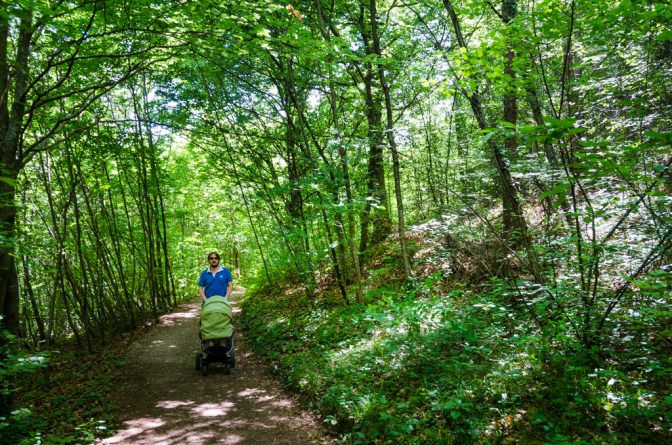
(64, 400)
(61, 395)
(443, 362)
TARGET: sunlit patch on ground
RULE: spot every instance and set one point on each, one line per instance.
(134, 428)
(283, 404)
(167, 402)
(213, 409)
(175, 317)
(250, 392)
(232, 438)
(171, 404)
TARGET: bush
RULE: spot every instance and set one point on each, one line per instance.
(464, 366)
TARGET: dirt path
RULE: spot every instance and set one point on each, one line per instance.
(164, 400)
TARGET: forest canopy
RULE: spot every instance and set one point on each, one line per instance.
(460, 156)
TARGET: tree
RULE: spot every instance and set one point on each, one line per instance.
(515, 226)
(56, 60)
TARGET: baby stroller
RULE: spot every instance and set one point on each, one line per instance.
(216, 335)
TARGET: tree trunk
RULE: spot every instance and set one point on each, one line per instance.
(375, 210)
(33, 301)
(126, 298)
(390, 138)
(515, 226)
(11, 119)
(249, 213)
(549, 152)
(510, 104)
(355, 270)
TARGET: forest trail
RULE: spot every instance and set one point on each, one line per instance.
(164, 400)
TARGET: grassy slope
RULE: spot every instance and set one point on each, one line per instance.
(444, 362)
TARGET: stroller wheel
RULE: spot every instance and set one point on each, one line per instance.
(198, 361)
(204, 369)
(227, 368)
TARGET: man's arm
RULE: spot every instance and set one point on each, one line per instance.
(229, 288)
(201, 292)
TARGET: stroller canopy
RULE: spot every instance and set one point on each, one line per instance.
(216, 319)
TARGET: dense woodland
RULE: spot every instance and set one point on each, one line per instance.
(454, 217)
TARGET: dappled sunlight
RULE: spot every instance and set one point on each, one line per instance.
(279, 419)
(282, 403)
(232, 438)
(261, 396)
(368, 356)
(162, 344)
(186, 422)
(345, 355)
(242, 407)
(134, 428)
(170, 404)
(366, 350)
(235, 295)
(176, 317)
(249, 392)
(213, 409)
(187, 433)
(388, 345)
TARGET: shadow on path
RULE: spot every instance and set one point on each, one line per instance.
(164, 400)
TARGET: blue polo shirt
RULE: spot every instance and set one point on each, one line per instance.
(215, 284)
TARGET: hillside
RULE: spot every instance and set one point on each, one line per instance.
(458, 356)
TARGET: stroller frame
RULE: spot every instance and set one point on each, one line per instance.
(216, 351)
(215, 332)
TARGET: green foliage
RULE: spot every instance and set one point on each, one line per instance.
(458, 366)
(16, 424)
(68, 403)
(155, 132)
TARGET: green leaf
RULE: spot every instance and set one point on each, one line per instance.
(555, 190)
(9, 181)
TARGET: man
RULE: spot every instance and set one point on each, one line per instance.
(215, 280)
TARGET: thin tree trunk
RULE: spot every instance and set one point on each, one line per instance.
(304, 127)
(110, 216)
(390, 137)
(82, 294)
(249, 213)
(161, 244)
(31, 297)
(145, 208)
(515, 226)
(375, 208)
(9, 284)
(58, 237)
(343, 157)
(509, 100)
(549, 152)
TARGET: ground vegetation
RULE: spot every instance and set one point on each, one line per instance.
(482, 184)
